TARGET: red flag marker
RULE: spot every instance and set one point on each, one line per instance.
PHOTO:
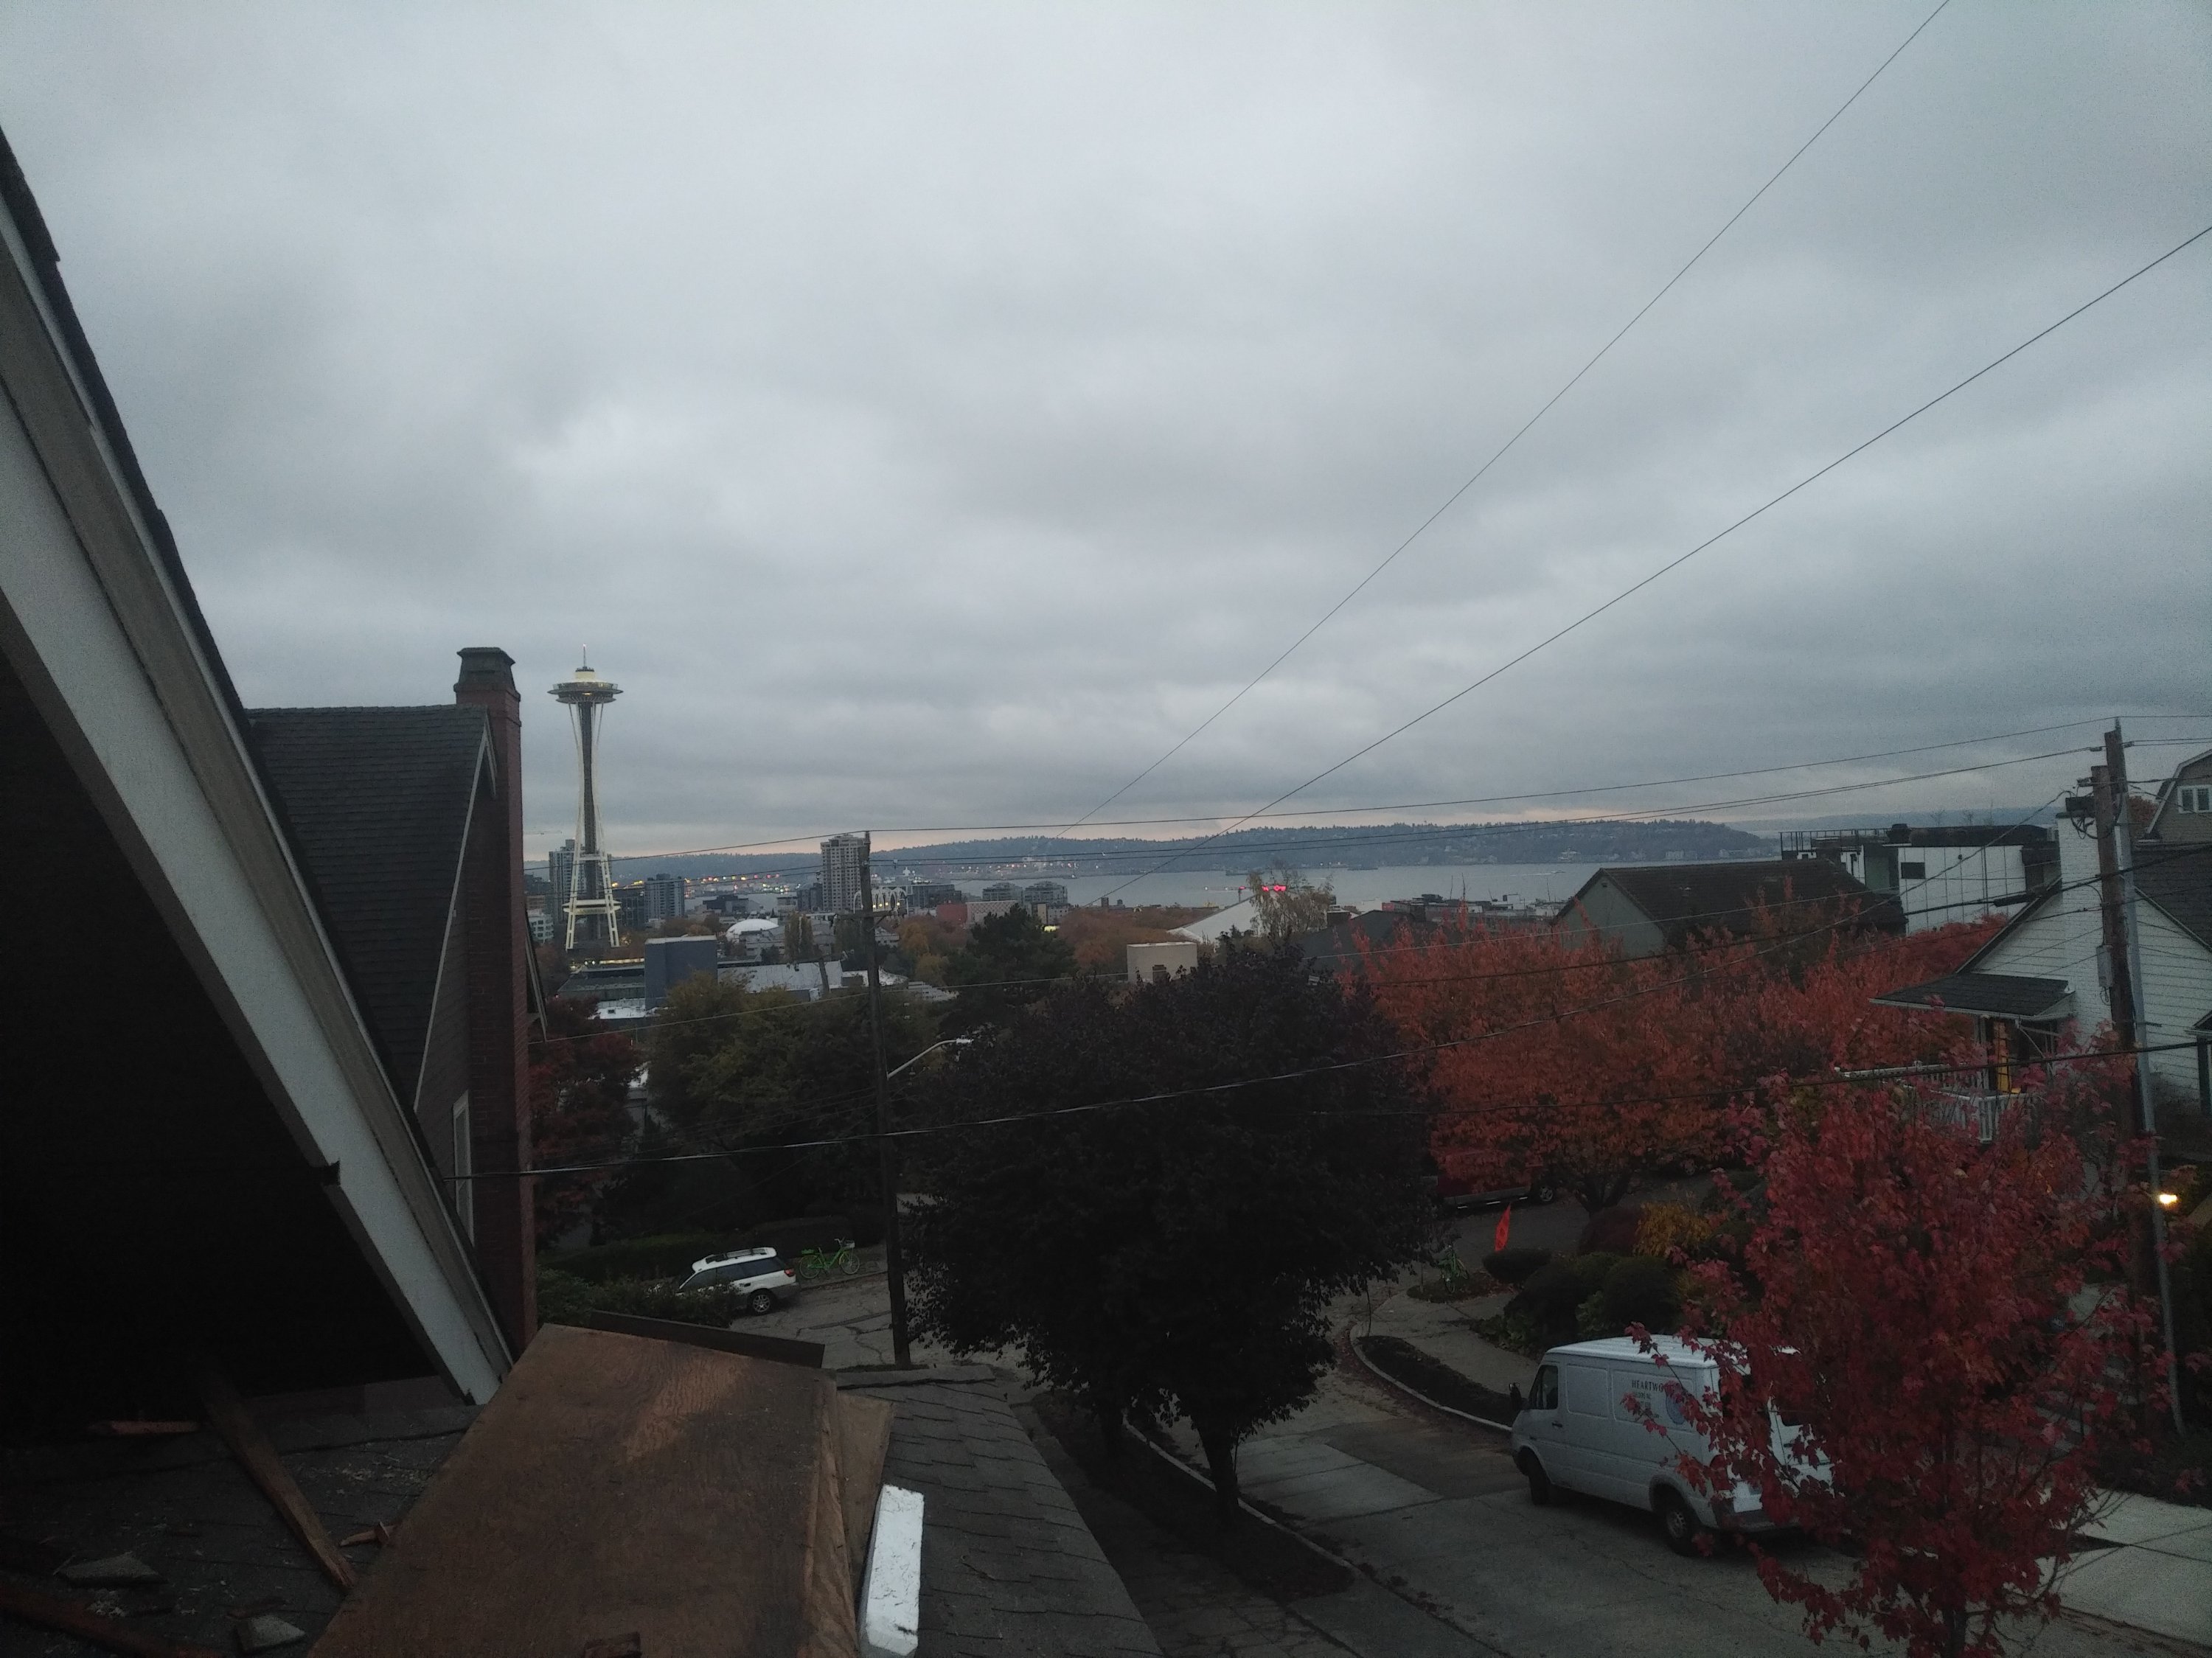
(1505, 1227)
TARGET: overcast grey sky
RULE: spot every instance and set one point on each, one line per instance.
(928, 414)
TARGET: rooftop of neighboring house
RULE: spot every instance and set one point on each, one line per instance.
(376, 803)
(1686, 900)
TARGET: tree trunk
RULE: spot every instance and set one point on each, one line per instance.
(1109, 1431)
(1220, 1447)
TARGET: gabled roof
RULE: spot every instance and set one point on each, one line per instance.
(375, 802)
(2179, 880)
(1684, 899)
(1993, 995)
(2165, 790)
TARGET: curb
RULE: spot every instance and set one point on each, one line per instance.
(1353, 1342)
(1259, 1515)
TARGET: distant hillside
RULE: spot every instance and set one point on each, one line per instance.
(1367, 846)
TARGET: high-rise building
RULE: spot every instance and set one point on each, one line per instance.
(1042, 894)
(594, 915)
(664, 898)
(561, 875)
(844, 872)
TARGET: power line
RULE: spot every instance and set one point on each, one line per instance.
(1352, 835)
(1765, 507)
(1976, 904)
(1424, 806)
(1814, 1080)
(1526, 427)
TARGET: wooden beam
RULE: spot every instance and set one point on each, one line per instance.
(617, 1486)
(864, 1438)
(70, 1618)
(783, 1350)
(227, 1416)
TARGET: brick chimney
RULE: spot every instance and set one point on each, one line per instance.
(497, 933)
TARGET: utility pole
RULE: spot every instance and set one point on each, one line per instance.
(886, 1160)
(2116, 770)
(2119, 988)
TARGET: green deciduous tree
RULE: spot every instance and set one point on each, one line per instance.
(1007, 963)
(746, 1071)
(580, 1073)
(1175, 1256)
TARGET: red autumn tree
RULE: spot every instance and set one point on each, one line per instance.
(1921, 1308)
(1601, 1070)
(580, 1074)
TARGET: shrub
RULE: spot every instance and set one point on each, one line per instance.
(1552, 1297)
(1641, 1290)
(1515, 1265)
(1666, 1227)
(565, 1298)
(1590, 1320)
(1611, 1231)
(668, 1255)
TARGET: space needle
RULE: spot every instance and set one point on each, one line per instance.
(590, 896)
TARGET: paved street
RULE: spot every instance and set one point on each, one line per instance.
(1461, 1563)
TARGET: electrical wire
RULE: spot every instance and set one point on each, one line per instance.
(1715, 915)
(1765, 507)
(1526, 427)
(922, 1129)
(1470, 801)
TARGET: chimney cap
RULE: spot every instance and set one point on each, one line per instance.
(485, 667)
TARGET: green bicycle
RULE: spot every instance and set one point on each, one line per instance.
(841, 1258)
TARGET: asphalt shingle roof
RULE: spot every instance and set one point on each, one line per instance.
(1994, 995)
(376, 804)
(2178, 879)
(1008, 1568)
(1692, 898)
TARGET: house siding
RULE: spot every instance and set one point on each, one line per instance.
(1605, 912)
(446, 1049)
(2061, 939)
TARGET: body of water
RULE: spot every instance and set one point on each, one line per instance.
(1519, 883)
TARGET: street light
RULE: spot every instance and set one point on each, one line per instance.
(887, 1166)
(950, 1042)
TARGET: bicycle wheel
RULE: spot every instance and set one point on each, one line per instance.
(851, 1267)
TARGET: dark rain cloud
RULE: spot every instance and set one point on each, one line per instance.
(930, 414)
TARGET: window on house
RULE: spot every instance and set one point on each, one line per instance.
(464, 1165)
(1912, 872)
(2197, 798)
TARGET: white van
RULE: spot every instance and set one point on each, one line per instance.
(1577, 1432)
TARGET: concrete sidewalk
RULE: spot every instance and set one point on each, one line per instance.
(2160, 1576)
(1444, 1330)
(2156, 1575)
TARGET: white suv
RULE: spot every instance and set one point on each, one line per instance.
(759, 1277)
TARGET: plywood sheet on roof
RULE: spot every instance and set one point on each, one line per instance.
(618, 1486)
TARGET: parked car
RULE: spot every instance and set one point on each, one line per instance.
(1453, 1194)
(759, 1276)
(1577, 1433)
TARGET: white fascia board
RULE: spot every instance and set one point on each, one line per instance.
(890, 1590)
(100, 637)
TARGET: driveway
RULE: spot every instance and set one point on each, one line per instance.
(1461, 1562)
(1435, 1510)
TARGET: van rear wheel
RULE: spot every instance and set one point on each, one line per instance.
(1683, 1531)
(1539, 1483)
